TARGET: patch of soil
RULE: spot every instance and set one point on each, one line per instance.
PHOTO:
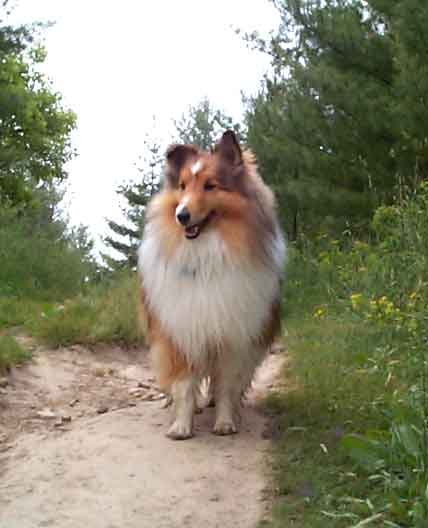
(82, 443)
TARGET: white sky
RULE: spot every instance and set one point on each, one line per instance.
(119, 63)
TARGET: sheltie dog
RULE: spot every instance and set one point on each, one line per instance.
(210, 263)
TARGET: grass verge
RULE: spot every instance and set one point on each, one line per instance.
(351, 447)
(106, 314)
(351, 442)
(332, 395)
(11, 353)
(18, 312)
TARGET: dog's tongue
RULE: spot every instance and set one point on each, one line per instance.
(192, 231)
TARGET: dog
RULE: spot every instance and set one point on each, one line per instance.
(210, 263)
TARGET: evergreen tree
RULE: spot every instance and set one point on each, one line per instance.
(126, 236)
(203, 124)
(335, 127)
(405, 23)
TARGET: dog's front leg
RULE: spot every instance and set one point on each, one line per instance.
(227, 394)
(183, 394)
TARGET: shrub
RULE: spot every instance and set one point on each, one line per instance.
(40, 261)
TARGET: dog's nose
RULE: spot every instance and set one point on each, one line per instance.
(183, 216)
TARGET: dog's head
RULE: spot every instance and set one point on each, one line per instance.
(204, 182)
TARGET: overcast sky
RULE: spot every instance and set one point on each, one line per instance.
(119, 63)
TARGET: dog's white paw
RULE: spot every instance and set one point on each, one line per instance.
(223, 427)
(180, 431)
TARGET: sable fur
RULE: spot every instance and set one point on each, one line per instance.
(212, 303)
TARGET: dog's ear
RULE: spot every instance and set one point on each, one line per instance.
(176, 157)
(228, 148)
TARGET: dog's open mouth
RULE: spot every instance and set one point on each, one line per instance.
(193, 231)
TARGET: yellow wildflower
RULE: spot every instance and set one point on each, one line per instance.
(319, 313)
(355, 300)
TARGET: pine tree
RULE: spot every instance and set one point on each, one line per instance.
(405, 23)
(136, 195)
(203, 124)
(342, 122)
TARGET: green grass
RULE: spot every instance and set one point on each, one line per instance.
(11, 353)
(16, 311)
(349, 444)
(330, 395)
(15, 314)
(107, 314)
(351, 430)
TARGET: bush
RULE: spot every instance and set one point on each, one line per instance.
(40, 260)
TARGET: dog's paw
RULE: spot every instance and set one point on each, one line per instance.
(179, 431)
(223, 428)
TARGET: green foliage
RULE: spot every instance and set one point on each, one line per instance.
(340, 125)
(107, 313)
(40, 258)
(202, 125)
(357, 325)
(34, 127)
(137, 195)
(397, 461)
(17, 312)
(11, 352)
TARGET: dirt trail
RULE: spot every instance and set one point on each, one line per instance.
(82, 445)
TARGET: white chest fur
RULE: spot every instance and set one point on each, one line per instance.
(203, 297)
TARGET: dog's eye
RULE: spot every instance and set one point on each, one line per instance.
(209, 186)
(182, 186)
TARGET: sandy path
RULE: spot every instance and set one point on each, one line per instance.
(117, 469)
